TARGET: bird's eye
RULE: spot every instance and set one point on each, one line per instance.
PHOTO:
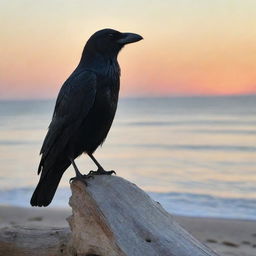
(111, 35)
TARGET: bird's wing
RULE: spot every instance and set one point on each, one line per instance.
(74, 101)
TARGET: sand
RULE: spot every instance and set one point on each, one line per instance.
(227, 237)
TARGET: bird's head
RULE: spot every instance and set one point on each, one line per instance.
(109, 42)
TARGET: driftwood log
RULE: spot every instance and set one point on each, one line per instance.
(111, 217)
(24, 241)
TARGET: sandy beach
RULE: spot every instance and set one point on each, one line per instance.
(227, 237)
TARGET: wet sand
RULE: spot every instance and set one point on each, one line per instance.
(225, 236)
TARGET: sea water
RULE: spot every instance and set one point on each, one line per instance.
(196, 156)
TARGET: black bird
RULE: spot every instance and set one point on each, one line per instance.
(84, 112)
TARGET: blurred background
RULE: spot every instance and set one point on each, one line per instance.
(185, 129)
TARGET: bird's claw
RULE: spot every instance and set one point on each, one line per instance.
(102, 172)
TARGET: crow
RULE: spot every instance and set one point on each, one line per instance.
(83, 113)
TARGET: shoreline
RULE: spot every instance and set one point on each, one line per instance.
(225, 236)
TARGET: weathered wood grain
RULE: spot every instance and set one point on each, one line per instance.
(112, 216)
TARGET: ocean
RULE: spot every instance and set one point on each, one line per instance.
(196, 156)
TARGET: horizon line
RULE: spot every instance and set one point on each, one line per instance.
(147, 97)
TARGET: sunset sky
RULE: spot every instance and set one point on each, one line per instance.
(190, 47)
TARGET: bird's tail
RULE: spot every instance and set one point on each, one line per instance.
(48, 184)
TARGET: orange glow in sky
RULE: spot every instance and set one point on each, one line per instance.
(190, 47)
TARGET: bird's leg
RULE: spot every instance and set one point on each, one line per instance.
(79, 175)
(100, 170)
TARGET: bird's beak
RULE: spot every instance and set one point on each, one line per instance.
(128, 38)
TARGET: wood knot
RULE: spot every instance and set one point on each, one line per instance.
(148, 240)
